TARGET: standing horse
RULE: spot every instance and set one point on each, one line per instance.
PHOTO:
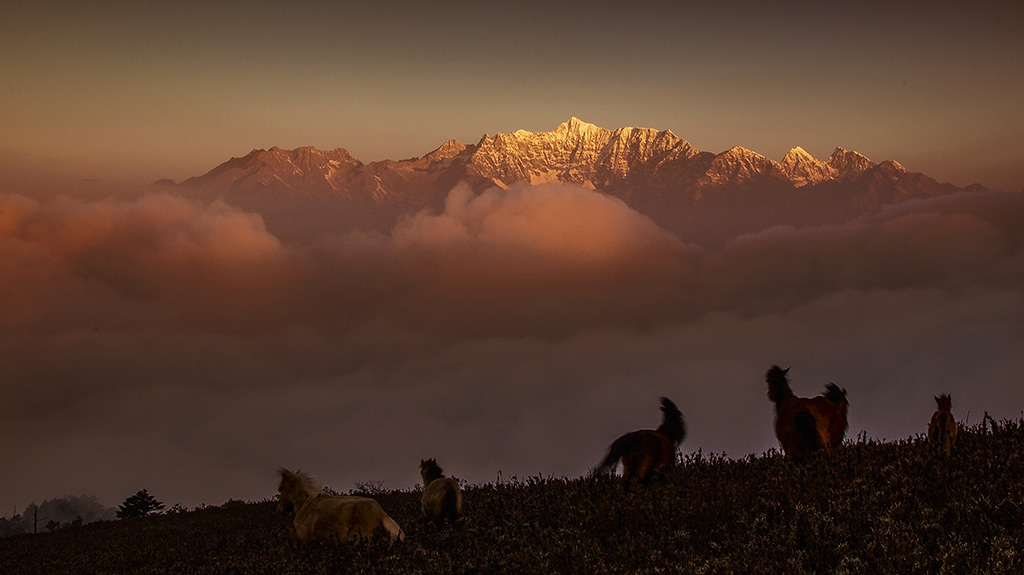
(805, 425)
(646, 453)
(320, 516)
(942, 427)
(442, 498)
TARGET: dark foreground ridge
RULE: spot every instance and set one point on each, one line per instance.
(870, 507)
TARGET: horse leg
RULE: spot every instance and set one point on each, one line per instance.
(646, 469)
(807, 429)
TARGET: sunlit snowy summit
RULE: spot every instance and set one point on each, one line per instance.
(654, 171)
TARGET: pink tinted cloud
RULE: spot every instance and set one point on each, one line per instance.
(520, 330)
(157, 251)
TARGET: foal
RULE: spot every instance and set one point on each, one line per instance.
(942, 428)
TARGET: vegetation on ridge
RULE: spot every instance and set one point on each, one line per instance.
(870, 507)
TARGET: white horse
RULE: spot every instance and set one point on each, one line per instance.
(320, 516)
(442, 498)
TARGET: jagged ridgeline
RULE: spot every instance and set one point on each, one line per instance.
(684, 189)
(868, 507)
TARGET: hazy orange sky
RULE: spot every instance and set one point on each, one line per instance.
(144, 91)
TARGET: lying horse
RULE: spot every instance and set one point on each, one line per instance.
(320, 516)
(942, 427)
(442, 498)
(805, 425)
(646, 453)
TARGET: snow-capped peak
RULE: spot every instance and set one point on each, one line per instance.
(449, 149)
(849, 164)
(804, 169)
(798, 152)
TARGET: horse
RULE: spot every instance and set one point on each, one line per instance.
(442, 498)
(942, 427)
(646, 453)
(806, 425)
(320, 516)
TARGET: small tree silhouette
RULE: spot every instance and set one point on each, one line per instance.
(138, 505)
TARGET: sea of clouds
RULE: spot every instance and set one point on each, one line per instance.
(179, 346)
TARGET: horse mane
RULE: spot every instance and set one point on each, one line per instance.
(298, 484)
(430, 470)
(672, 424)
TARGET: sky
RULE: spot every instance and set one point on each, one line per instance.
(154, 341)
(132, 91)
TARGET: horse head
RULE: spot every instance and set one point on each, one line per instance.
(430, 470)
(295, 489)
(778, 385)
(672, 424)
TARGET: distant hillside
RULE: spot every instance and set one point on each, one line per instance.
(691, 192)
(872, 507)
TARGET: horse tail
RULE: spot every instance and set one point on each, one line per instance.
(835, 394)
(451, 504)
(619, 448)
(807, 429)
(837, 423)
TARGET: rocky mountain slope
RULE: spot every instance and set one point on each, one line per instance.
(655, 172)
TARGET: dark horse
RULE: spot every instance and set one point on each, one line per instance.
(805, 425)
(646, 452)
(442, 498)
(942, 426)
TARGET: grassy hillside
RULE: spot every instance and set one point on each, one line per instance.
(873, 507)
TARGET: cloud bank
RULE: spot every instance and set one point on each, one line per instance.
(178, 346)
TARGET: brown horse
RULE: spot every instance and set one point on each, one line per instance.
(646, 453)
(442, 498)
(805, 425)
(320, 516)
(942, 427)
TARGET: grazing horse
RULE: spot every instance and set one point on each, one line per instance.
(442, 498)
(805, 425)
(646, 453)
(942, 428)
(320, 516)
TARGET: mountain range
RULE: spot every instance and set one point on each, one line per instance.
(694, 193)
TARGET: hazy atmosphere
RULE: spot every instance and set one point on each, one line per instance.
(154, 339)
(114, 89)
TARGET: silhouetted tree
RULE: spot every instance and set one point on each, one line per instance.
(66, 509)
(13, 526)
(138, 505)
